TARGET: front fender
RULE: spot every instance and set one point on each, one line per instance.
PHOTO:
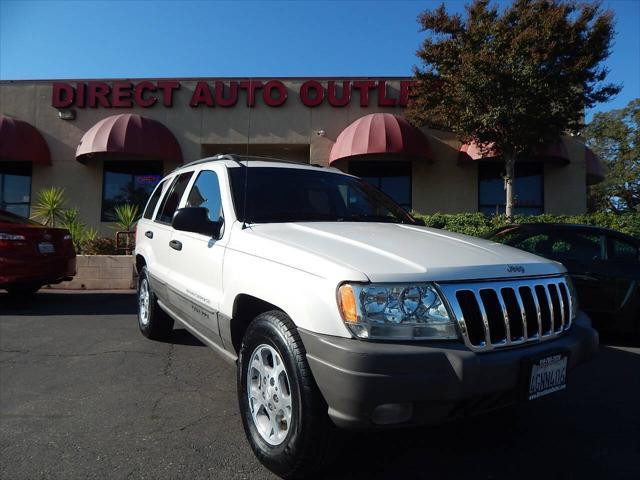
(309, 300)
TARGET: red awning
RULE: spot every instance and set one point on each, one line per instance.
(378, 133)
(473, 151)
(595, 169)
(556, 152)
(22, 142)
(129, 135)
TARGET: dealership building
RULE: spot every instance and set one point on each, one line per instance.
(108, 142)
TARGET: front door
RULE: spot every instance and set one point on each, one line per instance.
(196, 261)
(159, 232)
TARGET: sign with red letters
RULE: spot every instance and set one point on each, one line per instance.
(228, 93)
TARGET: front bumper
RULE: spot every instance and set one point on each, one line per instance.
(440, 381)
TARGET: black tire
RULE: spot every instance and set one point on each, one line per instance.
(23, 291)
(310, 442)
(157, 324)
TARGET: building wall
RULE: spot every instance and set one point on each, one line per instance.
(441, 186)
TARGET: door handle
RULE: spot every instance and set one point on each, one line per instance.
(148, 234)
(175, 244)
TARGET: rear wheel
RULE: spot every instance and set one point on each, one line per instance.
(154, 322)
(283, 413)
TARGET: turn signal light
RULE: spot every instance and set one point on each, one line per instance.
(348, 303)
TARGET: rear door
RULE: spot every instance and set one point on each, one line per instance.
(196, 259)
(623, 260)
(584, 255)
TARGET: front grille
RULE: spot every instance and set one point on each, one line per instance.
(498, 314)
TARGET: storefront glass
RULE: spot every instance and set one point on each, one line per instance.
(393, 178)
(528, 187)
(128, 182)
(15, 187)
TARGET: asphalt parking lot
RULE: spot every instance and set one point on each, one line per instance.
(84, 395)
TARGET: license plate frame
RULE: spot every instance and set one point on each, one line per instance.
(46, 248)
(544, 374)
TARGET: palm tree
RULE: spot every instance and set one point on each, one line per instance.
(50, 206)
(126, 216)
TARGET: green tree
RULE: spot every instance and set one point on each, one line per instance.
(615, 137)
(512, 80)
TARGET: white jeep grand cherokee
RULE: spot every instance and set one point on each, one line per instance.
(339, 309)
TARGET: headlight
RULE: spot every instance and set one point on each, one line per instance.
(574, 298)
(395, 312)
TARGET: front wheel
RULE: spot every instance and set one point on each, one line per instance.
(283, 413)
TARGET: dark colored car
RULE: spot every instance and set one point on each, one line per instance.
(33, 255)
(604, 265)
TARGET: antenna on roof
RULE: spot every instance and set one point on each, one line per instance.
(246, 167)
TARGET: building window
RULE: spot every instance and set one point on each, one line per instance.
(528, 187)
(15, 187)
(128, 182)
(393, 178)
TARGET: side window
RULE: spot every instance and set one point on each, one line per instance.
(153, 201)
(620, 250)
(172, 198)
(206, 193)
(540, 244)
(577, 246)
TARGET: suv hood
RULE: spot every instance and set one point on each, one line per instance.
(387, 252)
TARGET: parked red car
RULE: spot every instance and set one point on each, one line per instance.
(33, 255)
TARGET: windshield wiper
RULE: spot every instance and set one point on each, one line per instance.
(298, 217)
(371, 218)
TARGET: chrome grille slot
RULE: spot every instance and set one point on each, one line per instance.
(557, 311)
(498, 314)
(545, 309)
(566, 304)
(514, 314)
(495, 316)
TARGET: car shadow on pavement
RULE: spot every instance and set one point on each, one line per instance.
(182, 336)
(583, 432)
(69, 303)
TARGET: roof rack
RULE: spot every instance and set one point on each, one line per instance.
(219, 156)
(237, 158)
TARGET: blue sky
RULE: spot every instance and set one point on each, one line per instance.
(119, 39)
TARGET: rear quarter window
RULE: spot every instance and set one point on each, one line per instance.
(153, 201)
(621, 250)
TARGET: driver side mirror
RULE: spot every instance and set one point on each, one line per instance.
(196, 220)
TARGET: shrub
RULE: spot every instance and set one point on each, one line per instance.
(49, 207)
(101, 246)
(126, 217)
(80, 234)
(478, 224)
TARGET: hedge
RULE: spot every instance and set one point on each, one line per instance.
(478, 224)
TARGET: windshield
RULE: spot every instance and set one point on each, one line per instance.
(301, 195)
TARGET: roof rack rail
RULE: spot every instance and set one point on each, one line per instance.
(237, 158)
(219, 156)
